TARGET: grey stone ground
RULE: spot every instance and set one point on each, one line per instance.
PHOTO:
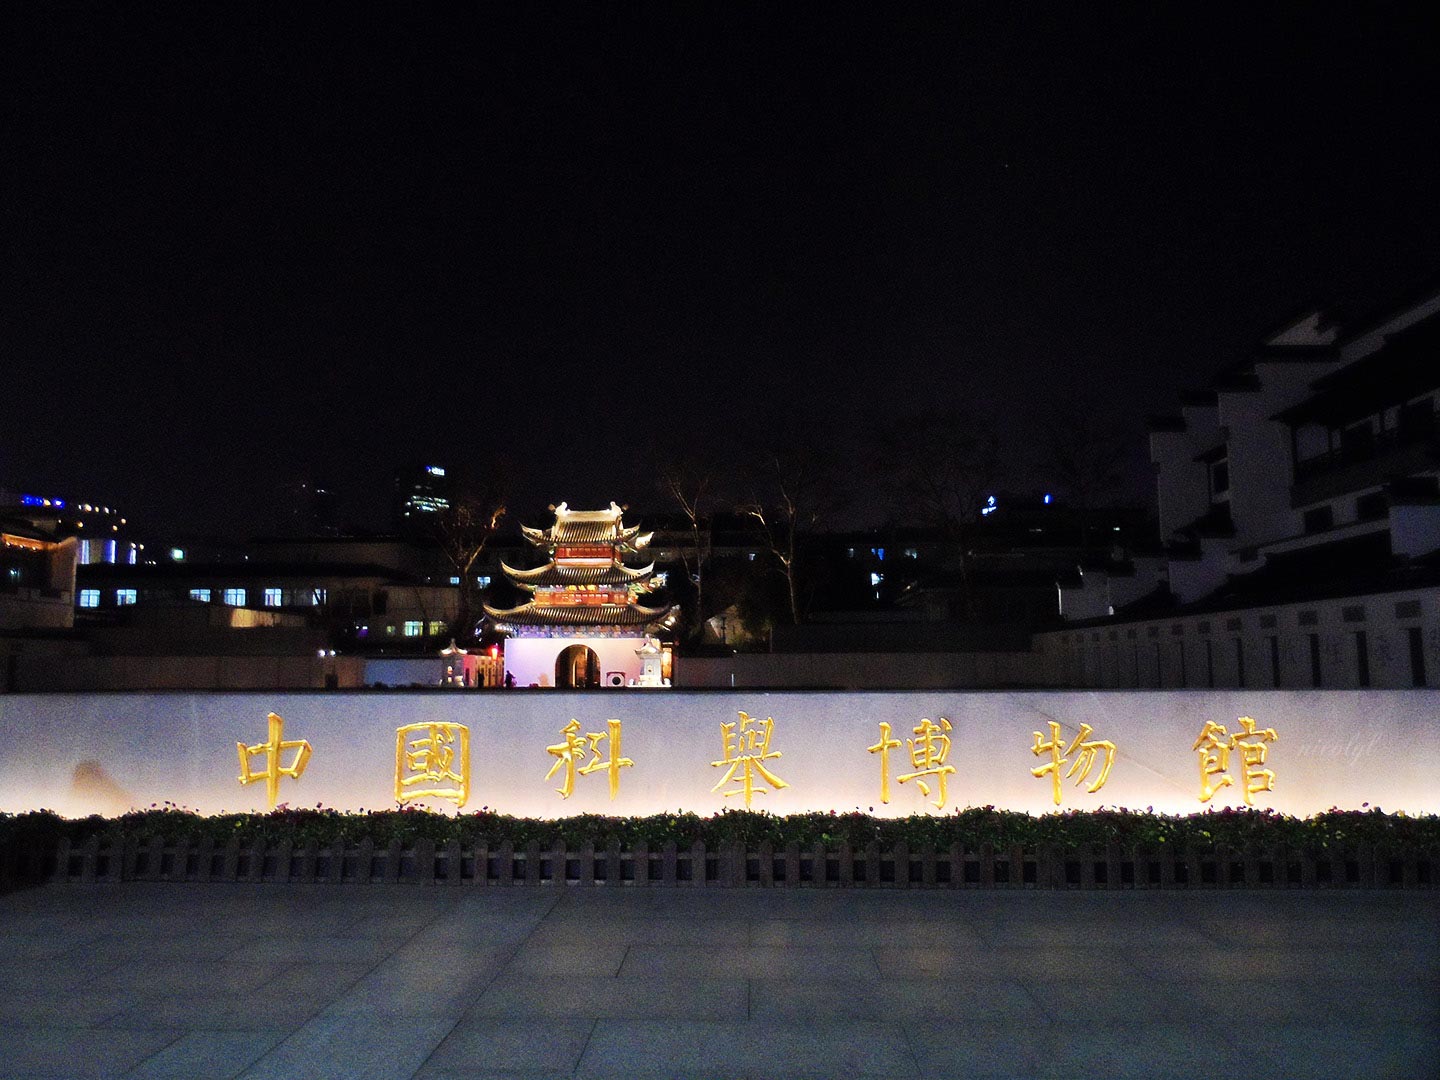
(381, 982)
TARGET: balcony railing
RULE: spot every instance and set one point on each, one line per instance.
(1364, 464)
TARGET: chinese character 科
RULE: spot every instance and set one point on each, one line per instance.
(272, 748)
(747, 749)
(1214, 745)
(883, 748)
(1081, 765)
(928, 752)
(427, 765)
(570, 753)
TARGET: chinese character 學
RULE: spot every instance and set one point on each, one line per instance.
(272, 748)
(928, 751)
(747, 749)
(1214, 746)
(427, 765)
(1083, 765)
(570, 753)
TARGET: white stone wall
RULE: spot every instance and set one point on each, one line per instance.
(1199, 651)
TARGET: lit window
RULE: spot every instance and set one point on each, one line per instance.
(235, 597)
(89, 597)
(390, 630)
(177, 554)
(879, 553)
(912, 553)
(132, 556)
(437, 628)
(125, 596)
(414, 628)
(272, 598)
(203, 595)
(455, 581)
(85, 559)
(318, 597)
(483, 581)
(876, 579)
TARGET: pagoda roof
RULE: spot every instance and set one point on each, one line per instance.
(562, 574)
(531, 614)
(587, 527)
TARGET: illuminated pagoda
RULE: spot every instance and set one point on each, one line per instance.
(584, 625)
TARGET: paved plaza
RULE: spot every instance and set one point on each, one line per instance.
(282, 982)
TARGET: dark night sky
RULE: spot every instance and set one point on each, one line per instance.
(283, 241)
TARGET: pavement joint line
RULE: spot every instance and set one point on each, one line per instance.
(589, 1036)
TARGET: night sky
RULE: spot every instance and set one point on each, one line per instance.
(281, 242)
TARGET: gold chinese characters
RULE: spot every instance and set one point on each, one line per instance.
(1084, 764)
(1214, 745)
(928, 753)
(432, 761)
(570, 753)
(272, 747)
(747, 748)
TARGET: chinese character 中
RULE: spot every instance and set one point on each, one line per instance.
(272, 748)
(1214, 745)
(570, 753)
(928, 751)
(1083, 765)
(747, 749)
(427, 764)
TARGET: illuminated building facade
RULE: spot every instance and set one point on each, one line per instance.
(422, 494)
(584, 625)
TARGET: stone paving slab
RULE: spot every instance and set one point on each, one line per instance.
(261, 982)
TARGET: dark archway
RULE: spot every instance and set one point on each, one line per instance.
(577, 668)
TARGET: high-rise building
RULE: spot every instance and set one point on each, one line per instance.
(422, 493)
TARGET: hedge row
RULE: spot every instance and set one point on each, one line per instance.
(974, 826)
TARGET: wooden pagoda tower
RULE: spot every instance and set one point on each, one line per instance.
(584, 623)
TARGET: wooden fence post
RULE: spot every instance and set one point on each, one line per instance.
(640, 857)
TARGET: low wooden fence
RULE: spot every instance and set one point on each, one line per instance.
(958, 867)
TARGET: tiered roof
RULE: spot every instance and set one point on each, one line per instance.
(585, 587)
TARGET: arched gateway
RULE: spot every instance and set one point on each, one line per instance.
(583, 625)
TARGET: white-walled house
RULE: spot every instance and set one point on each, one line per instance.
(1299, 501)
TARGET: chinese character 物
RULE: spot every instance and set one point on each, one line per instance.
(1083, 765)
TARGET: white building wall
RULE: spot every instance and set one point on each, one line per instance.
(1181, 486)
(1149, 654)
(532, 660)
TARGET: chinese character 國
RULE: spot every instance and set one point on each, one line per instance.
(1084, 764)
(570, 753)
(272, 748)
(746, 746)
(1214, 745)
(432, 761)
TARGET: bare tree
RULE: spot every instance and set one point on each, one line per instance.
(689, 485)
(1086, 457)
(941, 468)
(464, 530)
(795, 495)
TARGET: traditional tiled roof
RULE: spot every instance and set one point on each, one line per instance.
(561, 574)
(577, 615)
(587, 527)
